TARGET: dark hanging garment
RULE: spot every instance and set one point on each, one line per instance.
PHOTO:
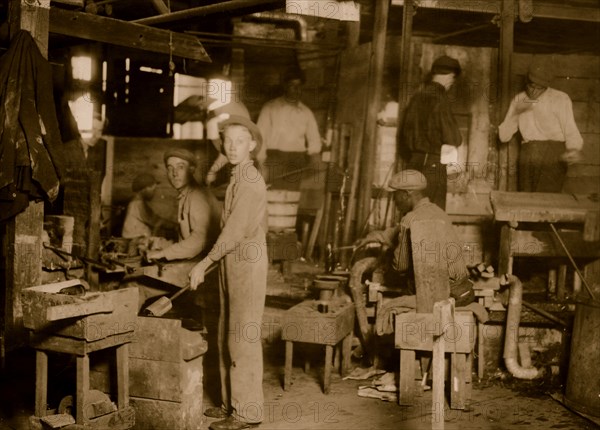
(30, 143)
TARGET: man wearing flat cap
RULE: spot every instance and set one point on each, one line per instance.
(197, 214)
(428, 123)
(409, 188)
(550, 138)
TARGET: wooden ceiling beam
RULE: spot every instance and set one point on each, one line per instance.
(123, 33)
(223, 6)
(541, 9)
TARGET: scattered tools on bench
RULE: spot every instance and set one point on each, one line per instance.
(109, 265)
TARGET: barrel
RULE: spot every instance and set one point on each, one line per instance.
(583, 379)
(282, 206)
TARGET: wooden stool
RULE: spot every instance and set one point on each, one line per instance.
(124, 417)
(304, 323)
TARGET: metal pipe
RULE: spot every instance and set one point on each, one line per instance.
(463, 31)
(545, 314)
(513, 317)
(266, 43)
(201, 11)
(211, 36)
(357, 291)
(286, 17)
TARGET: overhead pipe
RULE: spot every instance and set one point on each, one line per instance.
(285, 17)
(201, 11)
(513, 318)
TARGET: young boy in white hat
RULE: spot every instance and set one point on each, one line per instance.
(242, 255)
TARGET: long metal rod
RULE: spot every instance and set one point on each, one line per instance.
(545, 314)
(463, 31)
(587, 287)
(201, 11)
(265, 44)
(208, 34)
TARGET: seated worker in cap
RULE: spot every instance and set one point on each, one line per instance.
(140, 219)
(241, 251)
(428, 123)
(197, 212)
(408, 187)
(550, 138)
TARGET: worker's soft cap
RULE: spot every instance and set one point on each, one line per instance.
(142, 181)
(182, 153)
(444, 65)
(245, 122)
(409, 180)
(540, 75)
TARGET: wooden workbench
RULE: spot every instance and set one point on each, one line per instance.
(525, 231)
(542, 207)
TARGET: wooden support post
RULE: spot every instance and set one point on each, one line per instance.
(93, 226)
(327, 370)
(41, 383)
(458, 381)
(82, 387)
(123, 376)
(405, 64)
(375, 83)
(352, 33)
(507, 177)
(561, 283)
(346, 353)
(443, 313)
(407, 377)
(405, 60)
(289, 353)
(505, 259)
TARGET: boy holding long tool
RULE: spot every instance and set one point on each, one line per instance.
(242, 253)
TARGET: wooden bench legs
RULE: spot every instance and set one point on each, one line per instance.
(343, 363)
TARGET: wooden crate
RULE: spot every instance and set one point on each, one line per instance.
(165, 375)
(93, 316)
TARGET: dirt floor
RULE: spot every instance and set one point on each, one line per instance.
(497, 403)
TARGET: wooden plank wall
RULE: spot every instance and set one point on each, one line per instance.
(579, 77)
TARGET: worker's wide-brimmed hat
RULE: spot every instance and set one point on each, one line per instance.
(245, 122)
(182, 153)
(409, 180)
(540, 74)
(444, 65)
(142, 181)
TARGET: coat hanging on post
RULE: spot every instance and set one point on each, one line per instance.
(29, 136)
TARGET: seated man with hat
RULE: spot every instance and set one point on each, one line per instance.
(408, 187)
(550, 138)
(197, 214)
(395, 270)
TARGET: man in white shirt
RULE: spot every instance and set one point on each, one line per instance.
(550, 138)
(291, 138)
